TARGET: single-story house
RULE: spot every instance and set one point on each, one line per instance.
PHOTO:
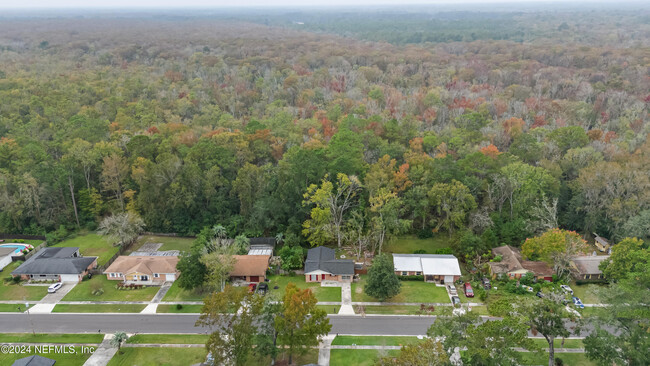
(513, 265)
(322, 265)
(601, 243)
(5, 256)
(441, 268)
(586, 267)
(64, 264)
(250, 268)
(143, 270)
(34, 360)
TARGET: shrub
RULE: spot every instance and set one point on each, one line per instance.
(179, 306)
(425, 234)
(497, 258)
(16, 279)
(420, 251)
(411, 278)
(443, 251)
(500, 307)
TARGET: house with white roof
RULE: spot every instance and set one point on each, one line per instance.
(441, 268)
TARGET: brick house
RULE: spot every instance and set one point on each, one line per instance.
(322, 265)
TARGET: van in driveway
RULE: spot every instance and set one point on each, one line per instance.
(54, 288)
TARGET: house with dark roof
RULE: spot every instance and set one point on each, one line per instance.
(322, 265)
(34, 360)
(63, 264)
(513, 265)
(588, 267)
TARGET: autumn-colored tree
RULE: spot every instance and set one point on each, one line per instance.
(556, 247)
(300, 324)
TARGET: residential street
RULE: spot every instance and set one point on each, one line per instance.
(174, 323)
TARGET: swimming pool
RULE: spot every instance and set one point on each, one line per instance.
(19, 247)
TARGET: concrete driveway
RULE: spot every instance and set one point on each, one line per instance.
(57, 296)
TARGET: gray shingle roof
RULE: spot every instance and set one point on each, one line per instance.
(34, 360)
(54, 261)
(324, 259)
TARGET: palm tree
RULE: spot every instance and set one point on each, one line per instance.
(279, 238)
(118, 339)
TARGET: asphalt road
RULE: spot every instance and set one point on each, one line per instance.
(140, 323)
(173, 323)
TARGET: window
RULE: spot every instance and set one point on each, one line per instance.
(156, 275)
(404, 273)
(418, 273)
(144, 278)
(345, 277)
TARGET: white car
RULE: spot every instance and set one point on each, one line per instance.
(567, 289)
(54, 288)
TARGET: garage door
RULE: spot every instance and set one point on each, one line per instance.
(255, 278)
(449, 279)
(69, 278)
(170, 277)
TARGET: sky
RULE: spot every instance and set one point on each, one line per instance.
(17, 4)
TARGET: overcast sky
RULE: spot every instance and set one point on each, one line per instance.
(231, 3)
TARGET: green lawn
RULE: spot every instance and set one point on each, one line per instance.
(169, 338)
(11, 291)
(11, 308)
(591, 311)
(99, 308)
(374, 341)
(168, 242)
(586, 292)
(91, 245)
(69, 359)
(322, 293)
(358, 357)
(311, 356)
(172, 309)
(412, 291)
(409, 244)
(330, 309)
(83, 291)
(176, 293)
(403, 310)
(568, 343)
(158, 356)
(541, 358)
(51, 338)
(481, 310)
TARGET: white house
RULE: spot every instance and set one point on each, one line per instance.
(441, 268)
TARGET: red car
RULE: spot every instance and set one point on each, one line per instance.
(469, 292)
(252, 287)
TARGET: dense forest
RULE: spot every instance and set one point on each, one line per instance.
(485, 132)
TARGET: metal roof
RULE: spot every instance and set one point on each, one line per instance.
(428, 264)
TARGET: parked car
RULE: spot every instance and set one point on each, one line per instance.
(578, 303)
(452, 290)
(469, 291)
(252, 287)
(486, 283)
(54, 288)
(539, 294)
(528, 288)
(567, 289)
(263, 288)
(455, 300)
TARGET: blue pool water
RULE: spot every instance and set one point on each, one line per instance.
(18, 247)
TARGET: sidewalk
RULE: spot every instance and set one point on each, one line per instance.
(103, 354)
(346, 300)
(152, 307)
